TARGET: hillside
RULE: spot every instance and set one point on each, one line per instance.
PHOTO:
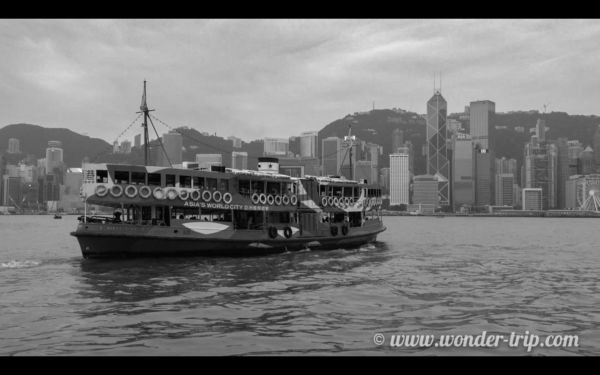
(34, 140)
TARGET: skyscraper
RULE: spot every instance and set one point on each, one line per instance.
(276, 146)
(330, 159)
(540, 130)
(54, 156)
(13, 146)
(587, 161)
(532, 199)
(399, 179)
(541, 159)
(505, 189)
(597, 148)
(437, 155)
(425, 190)
(481, 122)
(397, 139)
(137, 141)
(481, 115)
(173, 143)
(125, 147)
(239, 160)
(462, 171)
(205, 161)
(308, 144)
(562, 170)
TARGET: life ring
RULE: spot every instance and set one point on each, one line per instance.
(195, 195)
(101, 190)
(278, 200)
(347, 201)
(272, 232)
(294, 200)
(344, 230)
(263, 198)
(270, 199)
(171, 194)
(330, 201)
(130, 193)
(217, 196)
(118, 192)
(334, 231)
(206, 196)
(184, 195)
(351, 201)
(324, 201)
(227, 198)
(255, 198)
(336, 202)
(287, 232)
(145, 192)
(158, 193)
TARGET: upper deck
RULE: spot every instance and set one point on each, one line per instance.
(119, 185)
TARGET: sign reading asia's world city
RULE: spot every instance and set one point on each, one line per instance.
(224, 206)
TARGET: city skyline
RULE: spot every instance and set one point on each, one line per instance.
(333, 67)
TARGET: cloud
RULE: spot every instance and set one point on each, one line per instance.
(253, 78)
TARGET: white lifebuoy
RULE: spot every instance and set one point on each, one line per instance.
(255, 198)
(278, 200)
(351, 201)
(330, 201)
(129, 192)
(336, 202)
(263, 198)
(324, 201)
(158, 193)
(145, 192)
(184, 195)
(195, 195)
(101, 190)
(270, 200)
(285, 200)
(118, 192)
(294, 200)
(227, 198)
(171, 194)
(347, 201)
(217, 196)
(206, 196)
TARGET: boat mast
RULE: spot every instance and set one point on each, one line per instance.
(144, 109)
(350, 141)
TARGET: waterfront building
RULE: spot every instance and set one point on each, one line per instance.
(481, 123)
(437, 150)
(137, 141)
(54, 158)
(276, 146)
(299, 166)
(125, 147)
(308, 144)
(532, 199)
(331, 155)
(205, 161)
(173, 144)
(505, 189)
(462, 171)
(587, 161)
(399, 177)
(239, 160)
(425, 190)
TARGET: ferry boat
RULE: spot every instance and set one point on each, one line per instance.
(222, 212)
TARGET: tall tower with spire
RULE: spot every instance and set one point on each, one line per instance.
(437, 152)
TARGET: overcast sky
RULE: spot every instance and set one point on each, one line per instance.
(257, 78)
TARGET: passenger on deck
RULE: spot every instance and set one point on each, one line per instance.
(117, 217)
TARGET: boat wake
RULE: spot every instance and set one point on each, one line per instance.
(20, 264)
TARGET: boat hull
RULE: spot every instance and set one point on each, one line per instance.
(95, 244)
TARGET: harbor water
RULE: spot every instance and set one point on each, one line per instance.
(424, 275)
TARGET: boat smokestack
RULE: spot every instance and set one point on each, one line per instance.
(268, 165)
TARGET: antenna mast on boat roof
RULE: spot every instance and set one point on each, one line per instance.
(144, 109)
